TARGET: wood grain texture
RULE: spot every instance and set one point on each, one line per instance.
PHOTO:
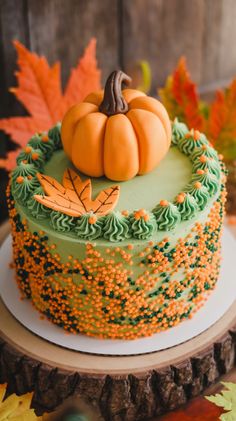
(122, 395)
(117, 388)
(160, 32)
(60, 30)
(13, 25)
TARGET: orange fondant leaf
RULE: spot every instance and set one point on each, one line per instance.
(73, 182)
(85, 78)
(74, 196)
(106, 200)
(181, 98)
(50, 185)
(61, 204)
(39, 90)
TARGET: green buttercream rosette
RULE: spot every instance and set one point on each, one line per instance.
(55, 135)
(31, 156)
(179, 130)
(36, 209)
(23, 169)
(187, 206)
(208, 180)
(116, 227)
(142, 224)
(205, 150)
(210, 164)
(23, 188)
(62, 222)
(44, 143)
(167, 215)
(199, 192)
(192, 140)
(89, 227)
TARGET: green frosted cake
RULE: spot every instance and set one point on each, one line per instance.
(125, 258)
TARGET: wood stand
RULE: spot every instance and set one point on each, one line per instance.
(118, 388)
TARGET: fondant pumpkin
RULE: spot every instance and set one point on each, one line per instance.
(116, 133)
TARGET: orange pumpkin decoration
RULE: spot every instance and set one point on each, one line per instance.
(116, 133)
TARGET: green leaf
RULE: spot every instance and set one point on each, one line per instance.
(226, 400)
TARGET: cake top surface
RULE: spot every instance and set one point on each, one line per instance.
(174, 172)
(178, 190)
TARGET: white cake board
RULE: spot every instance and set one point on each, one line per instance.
(218, 303)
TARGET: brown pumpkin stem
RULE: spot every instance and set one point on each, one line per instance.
(113, 101)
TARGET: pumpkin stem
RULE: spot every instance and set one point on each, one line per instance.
(113, 101)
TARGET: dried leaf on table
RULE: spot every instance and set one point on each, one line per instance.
(16, 408)
(226, 400)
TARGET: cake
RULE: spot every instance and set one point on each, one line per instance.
(111, 238)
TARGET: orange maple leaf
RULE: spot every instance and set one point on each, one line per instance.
(73, 197)
(39, 90)
(222, 121)
(181, 98)
(85, 78)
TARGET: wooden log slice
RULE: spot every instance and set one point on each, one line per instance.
(117, 388)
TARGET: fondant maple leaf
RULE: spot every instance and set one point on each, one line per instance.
(39, 90)
(74, 196)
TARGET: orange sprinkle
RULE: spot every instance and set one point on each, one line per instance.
(200, 172)
(45, 138)
(92, 220)
(20, 179)
(196, 135)
(180, 198)
(164, 203)
(203, 159)
(197, 185)
(125, 213)
(35, 156)
(28, 149)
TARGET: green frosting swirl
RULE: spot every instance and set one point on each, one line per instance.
(23, 170)
(62, 222)
(142, 229)
(179, 130)
(188, 208)
(188, 144)
(55, 135)
(116, 227)
(29, 157)
(209, 152)
(167, 217)
(22, 191)
(36, 209)
(46, 147)
(212, 165)
(208, 180)
(87, 231)
(201, 194)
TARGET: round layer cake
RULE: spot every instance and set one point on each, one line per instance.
(145, 266)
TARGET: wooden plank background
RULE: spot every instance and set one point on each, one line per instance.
(159, 31)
